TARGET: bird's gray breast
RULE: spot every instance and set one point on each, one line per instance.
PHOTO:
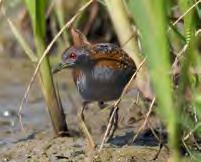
(102, 83)
(103, 75)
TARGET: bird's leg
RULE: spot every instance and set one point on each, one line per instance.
(84, 127)
(114, 123)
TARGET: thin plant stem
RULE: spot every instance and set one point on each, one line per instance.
(117, 103)
(67, 25)
(145, 121)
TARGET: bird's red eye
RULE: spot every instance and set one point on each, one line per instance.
(73, 56)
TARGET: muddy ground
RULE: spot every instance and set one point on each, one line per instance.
(37, 142)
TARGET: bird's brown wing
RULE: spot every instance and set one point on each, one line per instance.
(108, 54)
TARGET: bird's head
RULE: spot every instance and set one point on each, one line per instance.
(77, 55)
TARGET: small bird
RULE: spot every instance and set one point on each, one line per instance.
(100, 72)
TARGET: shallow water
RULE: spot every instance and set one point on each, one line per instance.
(15, 74)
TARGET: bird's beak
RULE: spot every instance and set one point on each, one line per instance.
(61, 66)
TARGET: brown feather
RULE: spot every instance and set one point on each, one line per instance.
(115, 58)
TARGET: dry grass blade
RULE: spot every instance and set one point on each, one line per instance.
(145, 121)
(197, 32)
(179, 54)
(118, 101)
(67, 25)
(22, 41)
(189, 151)
(127, 86)
(18, 35)
(185, 13)
(192, 130)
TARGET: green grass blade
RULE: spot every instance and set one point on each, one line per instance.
(31, 6)
(59, 10)
(151, 20)
(22, 42)
(178, 33)
(37, 12)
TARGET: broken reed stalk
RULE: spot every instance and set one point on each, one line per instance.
(42, 57)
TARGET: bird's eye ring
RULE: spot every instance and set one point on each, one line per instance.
(73, 55)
